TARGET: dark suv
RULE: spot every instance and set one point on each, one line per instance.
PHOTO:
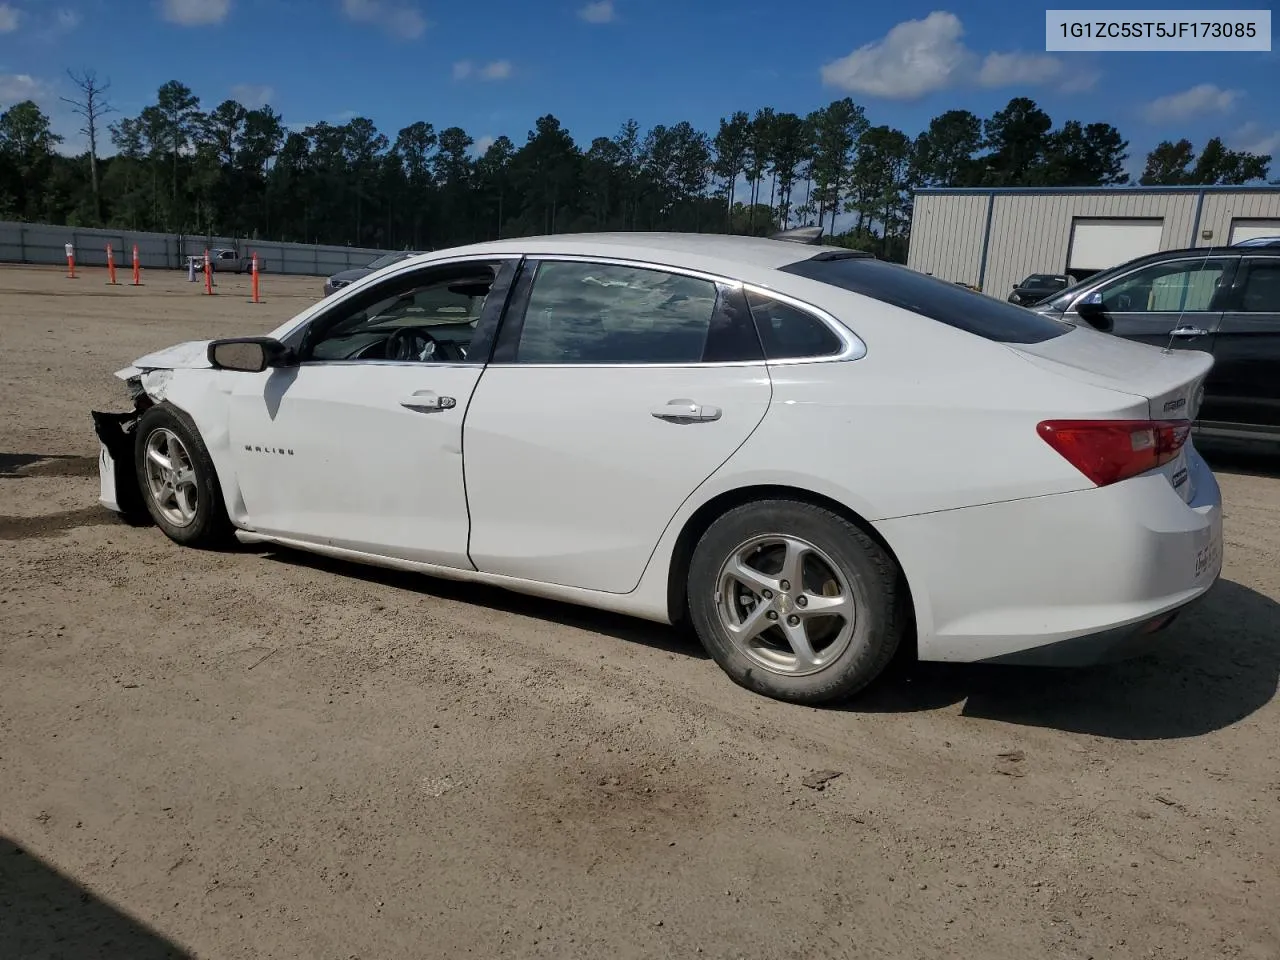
(1221, 300)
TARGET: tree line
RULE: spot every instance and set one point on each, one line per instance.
(237, 171)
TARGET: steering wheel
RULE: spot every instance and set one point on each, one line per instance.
(412, 343)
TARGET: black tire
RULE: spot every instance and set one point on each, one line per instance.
(868, 569)
(210, 527)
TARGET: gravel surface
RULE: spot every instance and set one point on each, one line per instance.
(263, 754)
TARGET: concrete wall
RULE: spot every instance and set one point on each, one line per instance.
(44, 244)
(1030, 231)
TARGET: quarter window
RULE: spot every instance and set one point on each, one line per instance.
(1261, 292)
(593, 313)
(788, 332)
(1180, 287)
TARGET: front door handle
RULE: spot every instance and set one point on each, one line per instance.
(686, 411)
(1189, 332)
(428, 401)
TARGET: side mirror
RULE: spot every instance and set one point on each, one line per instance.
(248, 354)
(1093, 312)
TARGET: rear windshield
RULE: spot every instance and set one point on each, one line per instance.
(930, 297)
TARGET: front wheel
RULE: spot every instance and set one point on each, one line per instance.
(794, 601)
(178, 480)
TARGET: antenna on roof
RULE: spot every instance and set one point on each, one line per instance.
(811, 235)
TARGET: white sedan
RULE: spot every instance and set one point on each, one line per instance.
(814, 456)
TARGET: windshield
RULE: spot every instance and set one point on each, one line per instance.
(936, 299)
(1044, 280)
(386, 260)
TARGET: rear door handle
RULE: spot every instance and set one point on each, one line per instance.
(1189, 332)
(428, 401)
(686, 411)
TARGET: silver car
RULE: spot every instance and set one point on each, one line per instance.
(341, 279)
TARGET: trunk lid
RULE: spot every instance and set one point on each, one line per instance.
(1171, 381)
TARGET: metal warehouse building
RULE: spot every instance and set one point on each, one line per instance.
(993, 238)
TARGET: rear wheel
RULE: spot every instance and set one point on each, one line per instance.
(794, 601)
(178, 480)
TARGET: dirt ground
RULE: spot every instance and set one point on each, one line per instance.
(261, 754)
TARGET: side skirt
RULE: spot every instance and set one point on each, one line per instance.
(613, 602)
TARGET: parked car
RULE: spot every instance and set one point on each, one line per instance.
(346, 277)
(1258, 242)
(1037, 287)
(812, 455)
(1224, 301)
(225, 260)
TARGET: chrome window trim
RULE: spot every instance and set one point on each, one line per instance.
(853, 347)
(419, 364)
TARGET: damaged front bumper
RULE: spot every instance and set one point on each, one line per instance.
(118, 485)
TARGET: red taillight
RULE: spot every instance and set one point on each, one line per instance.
(1108, 451)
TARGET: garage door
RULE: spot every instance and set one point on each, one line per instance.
(1248, 229)
(1099, 244)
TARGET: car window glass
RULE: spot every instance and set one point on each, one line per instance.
(600, 313)
(788, 332)
(1261, 293)
(1182, 286)
(930, 297)
(414, 318)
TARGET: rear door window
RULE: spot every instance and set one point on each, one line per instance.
(928, 296)
(601, 313)
(1260, 292)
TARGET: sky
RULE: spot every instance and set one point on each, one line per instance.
(493, 67)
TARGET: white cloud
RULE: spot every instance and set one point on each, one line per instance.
(1019, 69)
(914, 58)
(493, 70)
(68, 19)
(195, 13)
(1253, 138)
(482, 145)
(9, 18)
(600, 12)
(399, 19)
(1200, 99)
(252, 95)
(16, 87)
(918, 57)
(1080, 80)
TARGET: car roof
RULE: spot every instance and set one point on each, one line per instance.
(1180, 252)
(716, 253)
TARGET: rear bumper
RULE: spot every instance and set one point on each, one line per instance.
(1107, 646)
(1073, 578)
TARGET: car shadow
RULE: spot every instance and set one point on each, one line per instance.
(678, 640)
(1216, 665)
(44, 914)
(47, 465)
